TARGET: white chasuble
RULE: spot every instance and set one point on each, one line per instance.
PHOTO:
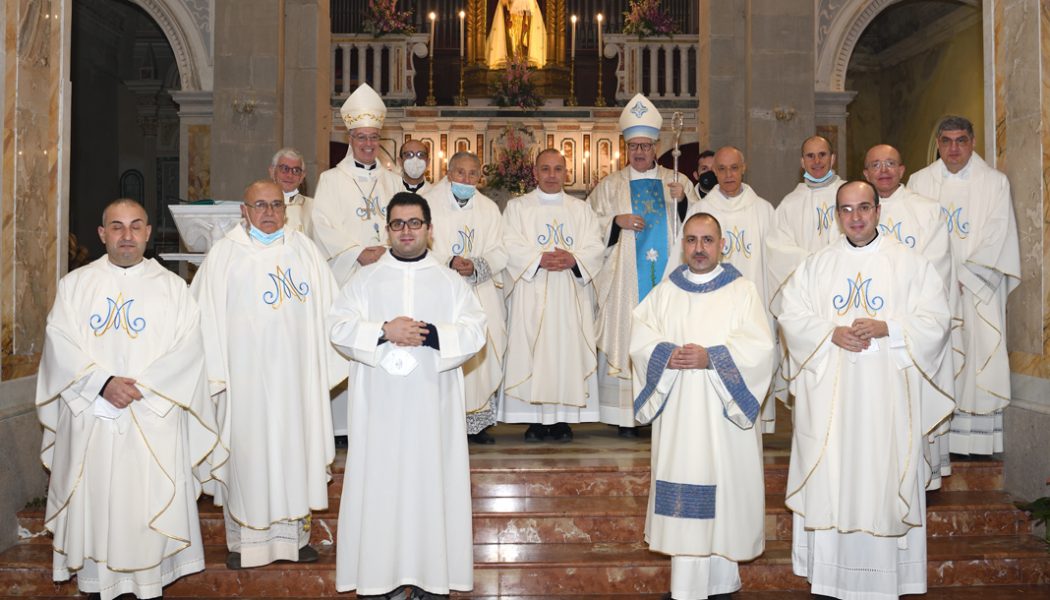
(551, 360)
(859, 418)
(122, 498)
(980, 220)
(707, 496)
(405, 514)
(349, 213)
(298, 211)
(747, 223)
(616, 284)
(475, 231)
(270, 367)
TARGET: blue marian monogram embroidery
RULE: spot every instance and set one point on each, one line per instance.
(824, 218)
(465, 245)
(956, 224)
(736, 242)
(118, 316)
(371, 209)
(555, 236)
(284, 286)
(859, 296)
(894, 229)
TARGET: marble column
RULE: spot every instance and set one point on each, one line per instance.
(830, 114)
(307, 80)
(195, 118)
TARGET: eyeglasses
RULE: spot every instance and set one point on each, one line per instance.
(414, 154)
(863, 209)
(642, 147)
(399, 224)
(879, 165)
(297, 171)
(262, 205)
(373, 138)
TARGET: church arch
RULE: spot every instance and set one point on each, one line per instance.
(192, 52)
(839, 26)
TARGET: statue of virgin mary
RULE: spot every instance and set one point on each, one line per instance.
(517, 30)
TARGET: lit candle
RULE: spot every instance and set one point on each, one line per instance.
(586, 166)
(433, 17)
(616, 160)
(573, 54)
(599, 36)
(462, 16)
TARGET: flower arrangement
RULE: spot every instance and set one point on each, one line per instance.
(645, 18)
(512, 169)
(514, 88)
(383, 17)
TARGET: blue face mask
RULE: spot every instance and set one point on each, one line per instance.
(265, 238)
(463, 191)
(823, 179)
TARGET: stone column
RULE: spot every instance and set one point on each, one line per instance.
(195, 123)
(307, 83)
(830, 121)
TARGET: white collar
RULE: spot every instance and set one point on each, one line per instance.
(134, 269)
(650, 174)
(963, 174)
(701, 278)
(871, 247)
(551, 199)
(289, 195)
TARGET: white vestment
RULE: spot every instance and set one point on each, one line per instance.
(916, 221)
(349, 212)
(747, 223)
(405, 514)
(270, 368)
(551, 362)
(617, 284)
(983, 231)
(707, 493)
(122, 498)
(475, 231)
(297, 213)
(857, 475)
(496, 44)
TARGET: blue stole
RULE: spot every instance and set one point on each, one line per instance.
(650, 244)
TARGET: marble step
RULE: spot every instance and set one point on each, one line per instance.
(557, 569)
(580, 519)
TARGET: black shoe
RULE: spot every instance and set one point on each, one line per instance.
(341, 441)
(307, 554)
(627, 432)
(561, 432)
(536, 433)
(481, 437)
(728, 596)
(233, 561)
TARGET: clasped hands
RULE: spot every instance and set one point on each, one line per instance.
(857, 337)
(463, 266)
(121, 391)
(403, 331)
(689, 356)
(558, 259)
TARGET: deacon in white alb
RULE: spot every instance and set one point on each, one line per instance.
(917, 222)
(746, 222)
(703, 356)
(641, 210)
(265, 292)
(468, 237)
(866, 323)
(122, 395)
(975, 199)
(288, 170)
(555, 248)
(349, 215)
(407, 323)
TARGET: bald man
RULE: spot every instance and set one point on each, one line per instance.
(415, 158)
(747, 221)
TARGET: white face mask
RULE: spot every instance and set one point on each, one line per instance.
(415, 167)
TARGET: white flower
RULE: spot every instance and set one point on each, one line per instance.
(652, 255)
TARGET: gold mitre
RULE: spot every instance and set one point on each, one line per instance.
(364, 108)
(641, 118)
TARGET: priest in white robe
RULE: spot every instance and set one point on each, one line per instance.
(916, 222)
(288, 170)
(349, 209)
(976, 202)
(265, 292)
(866, 322)
(407, 323)
(641, 210)
(122, 396)
(555, 249)
(414, 158)
(747, 223)
(468, 237)
(703, 356)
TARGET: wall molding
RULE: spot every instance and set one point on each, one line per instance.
(1030, 393)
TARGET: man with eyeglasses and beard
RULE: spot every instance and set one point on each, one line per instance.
(407, 323)
(288, 170)
(264, 292)
(866, 326)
